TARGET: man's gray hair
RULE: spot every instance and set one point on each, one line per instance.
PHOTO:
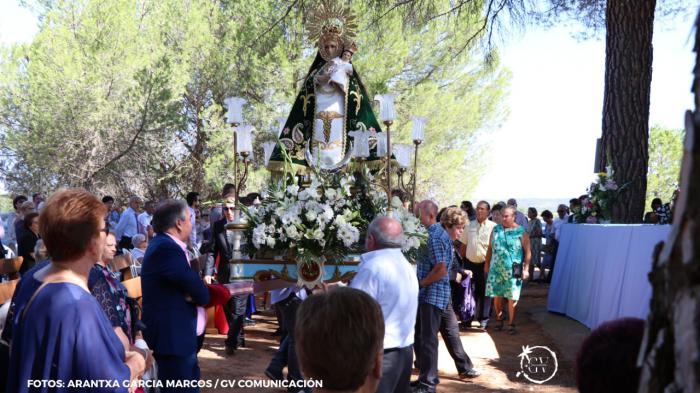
(167, 213)
(134, 198)
(138, 239)
(380, 229)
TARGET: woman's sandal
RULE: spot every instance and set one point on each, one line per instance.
(499, 325)
(511, 329)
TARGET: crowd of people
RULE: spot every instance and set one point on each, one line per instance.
(72, 292)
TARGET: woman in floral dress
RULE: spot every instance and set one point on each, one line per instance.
(510, 244)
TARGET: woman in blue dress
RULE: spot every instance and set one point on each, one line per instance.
(60, 333)
(509, 246)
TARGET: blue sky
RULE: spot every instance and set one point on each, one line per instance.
(546, 147)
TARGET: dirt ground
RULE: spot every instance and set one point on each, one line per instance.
(494, 353)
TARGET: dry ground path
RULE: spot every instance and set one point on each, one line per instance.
(495, 353)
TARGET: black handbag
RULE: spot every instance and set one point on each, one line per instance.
(517, 267)
(517, 270)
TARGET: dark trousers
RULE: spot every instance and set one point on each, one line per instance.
(396, 370)
(417, 340)
(286, 354)
(176, 368)
(483, 302)
(555, 249)
(432, 321)
(200, 341)
(235, 315)
(457, 293)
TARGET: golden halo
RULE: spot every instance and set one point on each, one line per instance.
(331, 19)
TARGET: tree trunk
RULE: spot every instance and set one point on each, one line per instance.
(625, 141)
(669, 354)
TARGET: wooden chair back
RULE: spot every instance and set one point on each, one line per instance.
(133, 287)
(7, 289)
(11, 267)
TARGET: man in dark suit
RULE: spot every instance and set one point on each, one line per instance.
(223, 251)
(171, 292)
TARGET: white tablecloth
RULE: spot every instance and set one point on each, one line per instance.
(601, 271)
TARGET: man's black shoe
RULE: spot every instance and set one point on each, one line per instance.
(421, 389)
(273, 374)
(473, 373)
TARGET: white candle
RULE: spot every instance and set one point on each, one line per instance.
(402, 152)
(268, 148)
(386, 106)
(381, 144)
(418, 133)
(244, 138)
(360, 146)
(235, 110)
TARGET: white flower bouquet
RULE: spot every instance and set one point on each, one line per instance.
(320, 220)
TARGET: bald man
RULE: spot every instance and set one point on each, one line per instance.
(386, 275)
(435, 304)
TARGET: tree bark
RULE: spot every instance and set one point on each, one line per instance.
(625, 141)
(669, 354)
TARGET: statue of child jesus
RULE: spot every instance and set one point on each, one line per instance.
(339, 70)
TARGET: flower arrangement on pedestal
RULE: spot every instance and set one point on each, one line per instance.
(322, 222)
(321, 219)
(597, 206)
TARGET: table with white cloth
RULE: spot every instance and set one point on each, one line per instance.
(601, 271)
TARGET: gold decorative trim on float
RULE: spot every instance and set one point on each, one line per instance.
(311, 280)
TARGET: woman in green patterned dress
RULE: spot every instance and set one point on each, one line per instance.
(510, 245)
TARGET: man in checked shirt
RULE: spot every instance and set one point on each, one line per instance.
(434, 298)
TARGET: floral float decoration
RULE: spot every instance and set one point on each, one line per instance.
(323, 223)
(596, 208)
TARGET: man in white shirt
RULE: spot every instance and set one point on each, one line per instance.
(386, 275)
(562, 211)
(193, 203)
(475, 242)
(128, 224)
(144, 220)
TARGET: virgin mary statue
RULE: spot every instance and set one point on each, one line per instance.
(331, 104)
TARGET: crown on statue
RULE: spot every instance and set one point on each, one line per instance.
(331, 22)
(350, 47)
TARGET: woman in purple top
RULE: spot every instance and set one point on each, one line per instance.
(60, 333)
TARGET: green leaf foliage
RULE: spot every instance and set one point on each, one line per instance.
(126, 96)
(665, 156)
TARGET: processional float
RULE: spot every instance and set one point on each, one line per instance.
(332, 166)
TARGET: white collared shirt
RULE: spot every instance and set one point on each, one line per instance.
(477, 237)
(194, 242)
(127, 225)
(558, 222)
(387, 276)
(144, 220)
